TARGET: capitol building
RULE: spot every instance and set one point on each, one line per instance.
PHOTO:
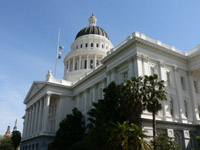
(93, 63)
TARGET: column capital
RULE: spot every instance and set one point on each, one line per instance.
(48, 94)
(175, 67)
(162, 63)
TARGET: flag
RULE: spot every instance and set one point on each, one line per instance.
(61, 47)
(59, 55)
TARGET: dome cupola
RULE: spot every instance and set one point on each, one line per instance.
(89, 48)
(92, 29)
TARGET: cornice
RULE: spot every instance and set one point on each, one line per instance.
(44, 86)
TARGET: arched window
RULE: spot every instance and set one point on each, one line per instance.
(91, 64)
(77, 47)
(102, 46)
(86, 44)
(97, 45)
(81, 46)
(92, 44)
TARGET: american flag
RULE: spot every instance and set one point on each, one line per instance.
(61, 47)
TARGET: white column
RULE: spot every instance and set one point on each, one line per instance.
(60, 110)
(140, 65)
(88, 62)
(46, 112)
(113, 75)
(69, 65)
(95, 61)
(25, 124)
(145, 65)
(28, 122)
(73, 64)
(40, 116)
(194, 103)
(180, 95)
(80, 62)
(95, 93)
(136, 72)
(162, 71)
(130, 68)
(36, 117)
(31, 122)
(108, 78)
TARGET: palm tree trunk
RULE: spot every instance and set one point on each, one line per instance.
(154, 129)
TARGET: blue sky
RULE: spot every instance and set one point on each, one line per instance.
(28, 37)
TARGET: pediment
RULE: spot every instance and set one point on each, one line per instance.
(35, 87)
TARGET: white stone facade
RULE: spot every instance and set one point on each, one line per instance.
(48, 102)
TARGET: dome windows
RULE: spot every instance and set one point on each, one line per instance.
(91, 45)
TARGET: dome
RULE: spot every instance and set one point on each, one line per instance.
(92, 30)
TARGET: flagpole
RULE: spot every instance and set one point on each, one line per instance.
(57, 52)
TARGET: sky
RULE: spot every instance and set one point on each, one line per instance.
(29, 32)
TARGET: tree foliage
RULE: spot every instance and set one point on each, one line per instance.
(6, 143)
(198, 142)
(127, 136)
(154, 92)
(101, 115)
(16, 139)
(71, 130)
(165, 143)
(115, 120)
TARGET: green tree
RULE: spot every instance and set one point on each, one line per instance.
(165, 143)
(131, 103)
(6, 143)
(198, 142)
(71, 130)
(127, 136)
(16, 139)
(154, 92)
(101, 115)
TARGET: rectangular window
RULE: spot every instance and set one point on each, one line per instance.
(196, 87)
(168, 78)
(101, 93)
(171, 106)
(125, 75)
(186, 108)
(183, 83)
(199, 109)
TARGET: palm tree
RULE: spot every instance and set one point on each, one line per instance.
(127, 136)
(130, 100)
(154, 93)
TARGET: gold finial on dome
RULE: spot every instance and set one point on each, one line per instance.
(92, 20)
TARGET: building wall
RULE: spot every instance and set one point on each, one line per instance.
(179, 117)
